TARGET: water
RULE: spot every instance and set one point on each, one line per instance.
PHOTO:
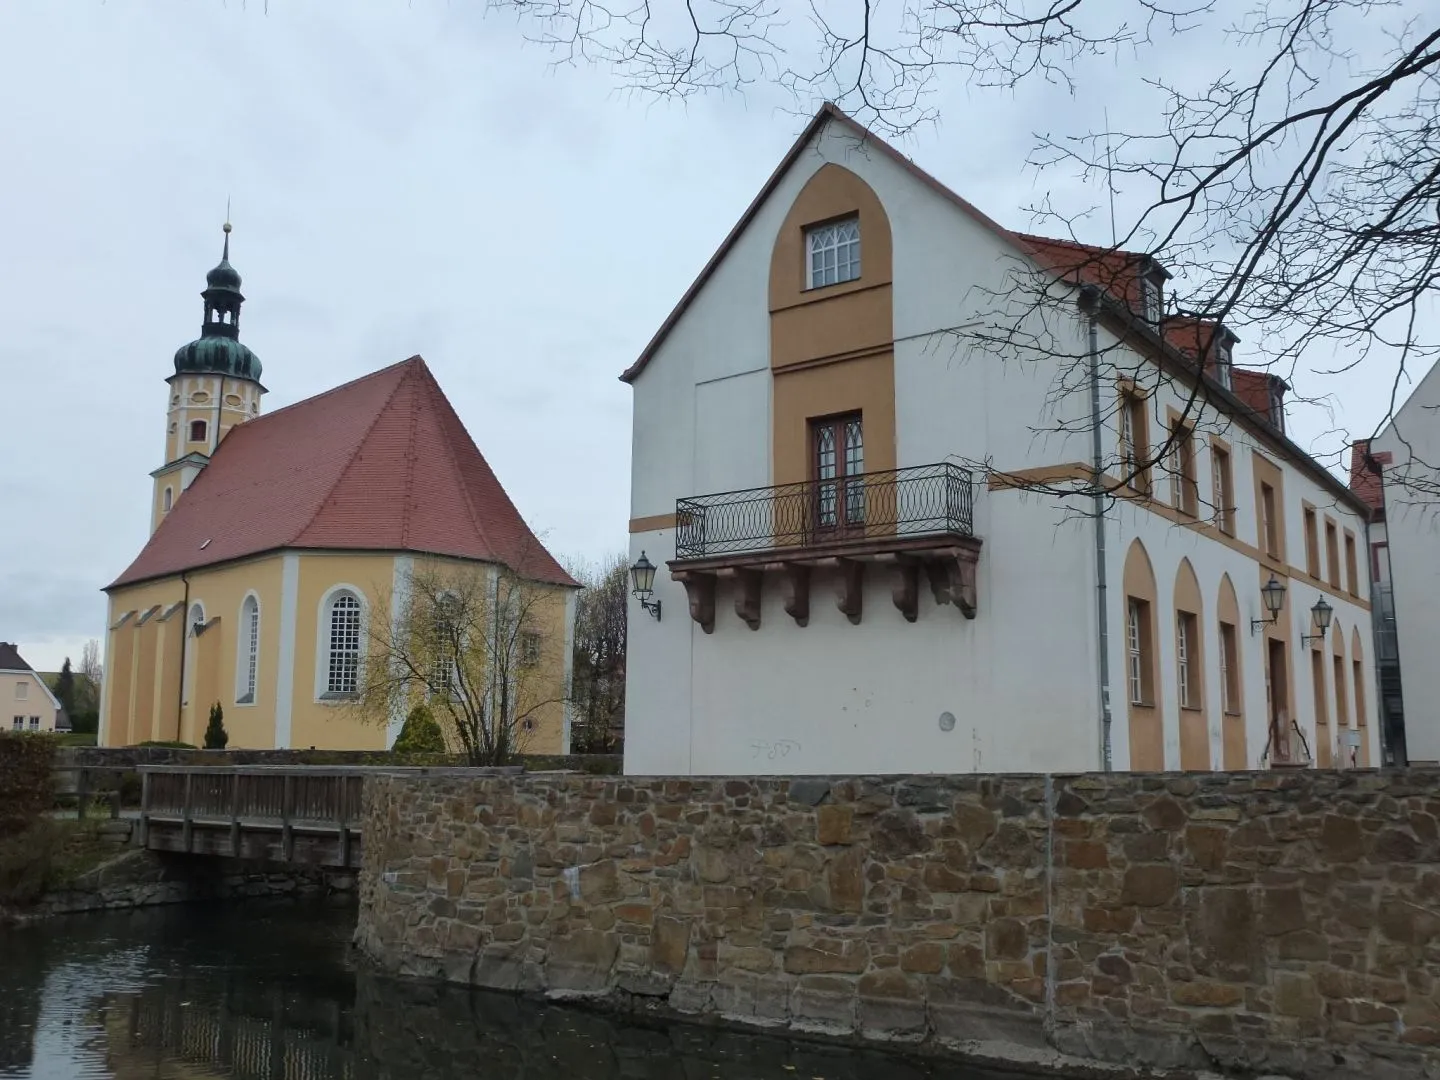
(271, 990)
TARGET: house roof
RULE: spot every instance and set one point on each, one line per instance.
(382, 463)
(1365, 476)
(10, 658)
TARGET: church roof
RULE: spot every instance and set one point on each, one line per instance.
(379, 464)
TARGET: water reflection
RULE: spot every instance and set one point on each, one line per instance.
(269, 992)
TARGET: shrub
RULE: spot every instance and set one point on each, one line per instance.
(27, 787)
(421, 734)
(49, 854)
(215, 735)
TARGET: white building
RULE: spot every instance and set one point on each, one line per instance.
(31, 705)
(902, 574)
(1407, 456)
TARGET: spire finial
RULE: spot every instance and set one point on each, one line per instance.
(225, 255)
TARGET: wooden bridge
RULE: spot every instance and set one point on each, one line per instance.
(279, 813)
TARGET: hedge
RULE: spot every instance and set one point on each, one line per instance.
(27, 785)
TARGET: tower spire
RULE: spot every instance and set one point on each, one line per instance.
(225, 255)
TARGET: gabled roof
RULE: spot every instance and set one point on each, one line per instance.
(10, 658)
(828, 112)
(379, 464)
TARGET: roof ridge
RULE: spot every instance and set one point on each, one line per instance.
(333, 390)
(362, 440)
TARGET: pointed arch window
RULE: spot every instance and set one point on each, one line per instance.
(249, 652)
(342, 656)
(833, 253)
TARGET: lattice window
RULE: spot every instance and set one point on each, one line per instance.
(344, 659)
(249, 650)
(834, 253)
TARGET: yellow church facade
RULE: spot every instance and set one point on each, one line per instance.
(277, 539)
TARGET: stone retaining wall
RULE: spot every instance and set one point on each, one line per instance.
(1286, 922)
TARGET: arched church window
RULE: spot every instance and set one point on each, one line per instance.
(167, 499)
(197, 430)
(342, 660)
(249, 651)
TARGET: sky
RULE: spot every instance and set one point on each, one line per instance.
(404, 176)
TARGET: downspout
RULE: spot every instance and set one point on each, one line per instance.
(1090, 304)
(184, 638)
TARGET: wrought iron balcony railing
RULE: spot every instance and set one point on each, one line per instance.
(919, 501)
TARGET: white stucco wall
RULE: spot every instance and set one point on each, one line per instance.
(1412, 530)
(1021, 678)
(37, 701)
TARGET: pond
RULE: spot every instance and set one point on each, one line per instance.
(271, 989)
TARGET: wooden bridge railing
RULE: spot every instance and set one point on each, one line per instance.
(261, 811)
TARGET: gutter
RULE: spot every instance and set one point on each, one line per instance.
(184, 640)
(1089, 302)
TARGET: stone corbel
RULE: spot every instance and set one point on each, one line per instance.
(797, 593)
(952, 579)
(849, 593)
(906, 589)
(747, 596)
(700, 590)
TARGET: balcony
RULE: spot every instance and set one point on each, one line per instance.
(907, 522)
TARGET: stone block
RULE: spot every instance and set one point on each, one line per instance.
(1282, 911)
(827, 956)
(1297, 996)
(1207, 995)
(600, 882)
(1149, 886)
(1006, 939)
(824, 1002)
(581, 961)
(669, 944)
(846, 882)
(832, 824)
(1086, 855)
(712, 865)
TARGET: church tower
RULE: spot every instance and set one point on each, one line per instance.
(216, 385)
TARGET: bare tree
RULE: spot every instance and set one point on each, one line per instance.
(1291, 186)
(482, 646)
(90, 668)
(598, 678)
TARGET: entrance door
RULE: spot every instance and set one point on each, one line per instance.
(838, 467)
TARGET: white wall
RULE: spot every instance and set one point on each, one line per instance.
(1412, 529)
(1021, 678)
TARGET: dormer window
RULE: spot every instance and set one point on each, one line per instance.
(1277, 404)
(1222, 363)
(1150, 298)
(833, 253)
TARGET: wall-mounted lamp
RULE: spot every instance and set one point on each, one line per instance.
(1321, 615)
(642, 582)
(1273, 594)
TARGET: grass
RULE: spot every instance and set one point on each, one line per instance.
(76, 738)
(51, 854)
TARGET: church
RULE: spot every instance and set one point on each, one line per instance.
(274, 537)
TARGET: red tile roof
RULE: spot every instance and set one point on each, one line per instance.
(1117, 272)
(1365, 479)
(379, 464)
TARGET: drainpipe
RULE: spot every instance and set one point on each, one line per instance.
(1090, 304)
(184, 638)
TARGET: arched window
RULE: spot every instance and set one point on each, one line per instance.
(1190, 669)
(168, 499)
(248, 648)
(1142, 684)
(447, 630)
(197, 430)
(194, 620)
(342, 658)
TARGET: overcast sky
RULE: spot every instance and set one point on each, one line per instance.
(407, 177)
